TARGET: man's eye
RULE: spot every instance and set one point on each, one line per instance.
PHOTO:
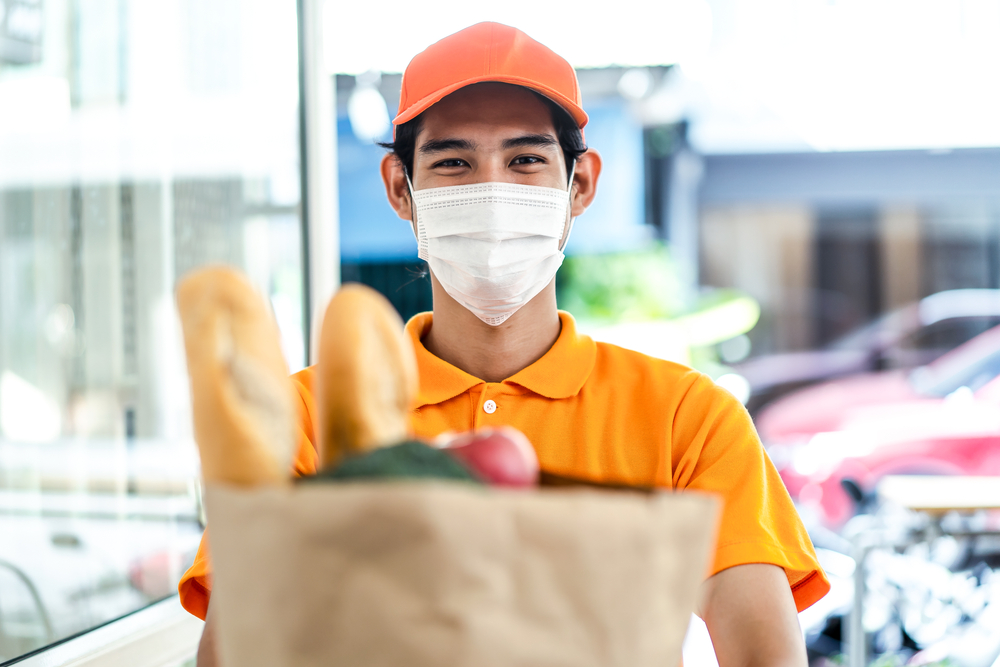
(527, 159)
(451, 163)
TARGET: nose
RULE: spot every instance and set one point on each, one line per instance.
(492, 170)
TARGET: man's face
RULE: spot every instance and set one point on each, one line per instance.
(488, 132)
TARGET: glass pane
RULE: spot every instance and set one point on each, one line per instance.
(137, 141)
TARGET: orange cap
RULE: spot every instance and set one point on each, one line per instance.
(487, 52)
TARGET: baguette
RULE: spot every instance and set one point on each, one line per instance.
(242, 397)
(366, 381)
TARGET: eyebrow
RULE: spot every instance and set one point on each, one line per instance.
(432, 146)
(440, 145)
(539, 140)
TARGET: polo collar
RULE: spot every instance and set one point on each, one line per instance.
(560, 373)
(439, 380)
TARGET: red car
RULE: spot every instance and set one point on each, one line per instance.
(906, 338)
(943, 418)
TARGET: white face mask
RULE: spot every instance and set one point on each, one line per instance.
(492, 246)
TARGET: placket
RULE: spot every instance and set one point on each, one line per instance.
(487, 410)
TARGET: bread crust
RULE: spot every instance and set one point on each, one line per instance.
(367, 376)
(242, 396)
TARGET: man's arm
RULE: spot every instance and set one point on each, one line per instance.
(206, 647)
(751, 617)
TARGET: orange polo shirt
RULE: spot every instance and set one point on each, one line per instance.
(601, 412)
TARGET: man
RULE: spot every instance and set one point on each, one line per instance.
(489, 167)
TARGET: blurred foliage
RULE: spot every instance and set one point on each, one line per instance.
(665, 140)
(618, 287)
(637, 289)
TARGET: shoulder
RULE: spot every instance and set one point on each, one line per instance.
(614, 357)
(621, 367)
(689, 398)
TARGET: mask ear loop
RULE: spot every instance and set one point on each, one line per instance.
(413, 203)
(569, 209)
(418, 229)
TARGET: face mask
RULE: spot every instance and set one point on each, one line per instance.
(492, 246)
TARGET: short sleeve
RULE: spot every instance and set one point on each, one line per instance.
(195, 587)
(715, 449)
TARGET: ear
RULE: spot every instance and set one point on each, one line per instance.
(588, 170)
(396, 190)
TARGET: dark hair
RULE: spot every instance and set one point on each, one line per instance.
(570, 137)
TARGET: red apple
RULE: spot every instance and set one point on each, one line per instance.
(501, 456)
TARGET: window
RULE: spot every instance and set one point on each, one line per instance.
(137, 141)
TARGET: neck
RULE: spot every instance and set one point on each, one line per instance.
(490, 353)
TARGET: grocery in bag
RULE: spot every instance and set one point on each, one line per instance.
(399, 552)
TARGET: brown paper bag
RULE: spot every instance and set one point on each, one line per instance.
(447, 574)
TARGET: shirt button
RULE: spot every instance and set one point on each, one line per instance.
(490, 407)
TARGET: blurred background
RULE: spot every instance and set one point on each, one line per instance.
(801, 198)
